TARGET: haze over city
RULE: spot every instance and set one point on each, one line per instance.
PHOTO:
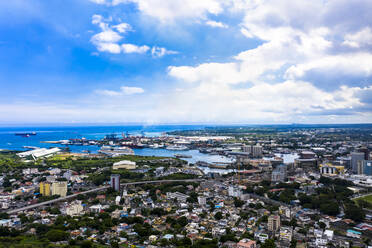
(160, 61)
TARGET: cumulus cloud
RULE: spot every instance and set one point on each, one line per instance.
(161, 51)
(130, 48)
(359, 39)
(108, 39)
(312, 62)
(216, 24)
(122, 27)
(298, 52)
(165, 10)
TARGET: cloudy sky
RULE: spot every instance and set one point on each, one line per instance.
(185, 61)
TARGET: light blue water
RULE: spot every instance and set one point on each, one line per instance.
(8, 139)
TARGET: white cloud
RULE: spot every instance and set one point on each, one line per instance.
(108, 47)
(292, 47)
(108, 39)
(98, 1)
(131, 90)
(161, 51)
(166, 10)
(359, 39)
(124, 90)
(301, 42)
(130, 48)
(352, 64)
(107, 36)
(122, 27)
(216, 24)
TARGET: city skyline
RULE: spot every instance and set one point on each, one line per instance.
(190, 62)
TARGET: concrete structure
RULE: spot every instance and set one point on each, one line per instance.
(59, 188)
(38, 153)
(115, 182)
(124, 164)
(253, 151)
(234, 191)
(273, 223)
(285, 211)
(307, 155)
(279, 174)
(246, 243)
(285, 234)
(365, 151)
(367, 167)
(75, 208)
(331, 170)
(45, 188)
(202, 200)
(177, 195)
(355, 158)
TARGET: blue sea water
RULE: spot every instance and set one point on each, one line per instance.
(10, 141)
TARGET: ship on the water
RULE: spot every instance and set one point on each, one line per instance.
(25, 134)
(177, 147)
(116, 151)
(182, 156)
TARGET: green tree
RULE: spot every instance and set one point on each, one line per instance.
(354, 212)
(218, 216)
(269, 243)
(55, 235)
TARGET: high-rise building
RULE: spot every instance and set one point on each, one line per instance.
(367, 167)
(355, 157)
(59, 188)
(364, 150)
(45, 188)
(254, 151)
(273, 223)
(279, 174)
(257, 151)
(115, 182)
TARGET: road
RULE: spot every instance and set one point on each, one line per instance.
(13, 211)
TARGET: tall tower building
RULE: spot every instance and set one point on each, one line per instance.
(45, 188)
(274, 223)
(59, 188)
(115, 182)
(355, 157)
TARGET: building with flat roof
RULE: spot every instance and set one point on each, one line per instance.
(45, 188)
(246, 243)
(124, 164)
(59, 188)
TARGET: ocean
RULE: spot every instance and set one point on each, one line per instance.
(10, 141)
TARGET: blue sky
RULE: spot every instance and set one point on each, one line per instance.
(189, 61)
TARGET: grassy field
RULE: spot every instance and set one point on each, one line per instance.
(367, 198)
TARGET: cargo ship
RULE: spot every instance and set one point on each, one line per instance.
(25, 134)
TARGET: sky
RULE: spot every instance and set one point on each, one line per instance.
(186, 61)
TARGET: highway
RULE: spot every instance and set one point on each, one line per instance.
(13, 211)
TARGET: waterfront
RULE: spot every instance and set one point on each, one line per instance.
(10, 141)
